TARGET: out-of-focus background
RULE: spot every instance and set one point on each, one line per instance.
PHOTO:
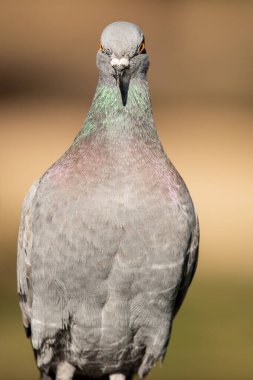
(201, 80)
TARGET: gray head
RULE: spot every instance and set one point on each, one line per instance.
(122, 55)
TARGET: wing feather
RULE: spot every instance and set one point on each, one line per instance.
(24, 257)
(190, 267)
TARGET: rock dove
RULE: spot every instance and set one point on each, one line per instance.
(108, 239)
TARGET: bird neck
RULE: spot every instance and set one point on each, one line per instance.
(109, 116)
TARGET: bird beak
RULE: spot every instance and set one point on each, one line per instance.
(122, 76)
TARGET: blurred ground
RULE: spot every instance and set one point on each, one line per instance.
(202, 89)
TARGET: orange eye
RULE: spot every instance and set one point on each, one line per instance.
(142, 47)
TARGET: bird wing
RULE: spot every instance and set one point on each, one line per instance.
(24, 257)
(190, 267)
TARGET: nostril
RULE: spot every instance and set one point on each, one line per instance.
(124, 62)
(115, 62)
(120, 63)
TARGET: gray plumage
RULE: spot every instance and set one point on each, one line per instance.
(108, 237)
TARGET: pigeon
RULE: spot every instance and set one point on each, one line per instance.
(108, 238)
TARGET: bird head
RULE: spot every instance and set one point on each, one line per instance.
(122, 55)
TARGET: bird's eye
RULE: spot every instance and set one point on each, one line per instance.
(142, 48)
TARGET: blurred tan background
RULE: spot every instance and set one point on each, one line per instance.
(201, 80)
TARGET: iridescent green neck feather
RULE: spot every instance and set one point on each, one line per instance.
(113, 118)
